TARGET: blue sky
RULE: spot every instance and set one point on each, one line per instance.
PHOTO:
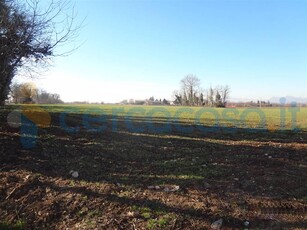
(137, 49)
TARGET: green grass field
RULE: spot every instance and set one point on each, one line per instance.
(271, 119)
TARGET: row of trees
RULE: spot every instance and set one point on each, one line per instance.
(29, 94)
(191, 94)
(150, 101)
(153, 101)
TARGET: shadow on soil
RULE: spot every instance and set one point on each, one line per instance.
(233, 166)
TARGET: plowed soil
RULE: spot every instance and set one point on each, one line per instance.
(149, 180)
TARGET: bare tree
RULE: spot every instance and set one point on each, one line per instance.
(225, 91)
(221, 95)
(201, 99)
(210, 96)
(191, 94)
(28, 92)
(218, 99)
(177, 98)
(30, 34)
(44, 97)
(16, 93)
(190, 86)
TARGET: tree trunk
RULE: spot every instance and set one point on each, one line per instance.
(5, 82)
(4, 89)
